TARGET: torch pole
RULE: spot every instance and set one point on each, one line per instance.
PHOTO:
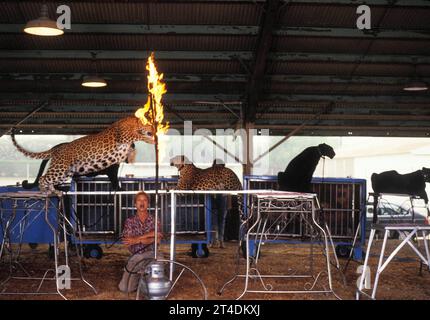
(156, 194)
(154, 126)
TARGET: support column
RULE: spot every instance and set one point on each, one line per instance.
(248, 148)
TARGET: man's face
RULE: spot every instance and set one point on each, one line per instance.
(141, 203)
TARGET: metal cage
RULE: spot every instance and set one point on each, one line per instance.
(102, 216)
(343, 207)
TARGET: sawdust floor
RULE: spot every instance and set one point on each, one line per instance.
(401, 279)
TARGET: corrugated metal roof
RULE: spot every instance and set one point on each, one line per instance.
(352, 45)
(141, 13)
(322, 15)
(333, 88)
(129, 42)
(384, 69)
(412, 47)
(11, 13)
(200, 66)
(281, 67)
(234, 13)
(120, 86)
(120, 66)
(407, 18)
(344, 69)
(205, 13)
(323, 45)
(222, 13)
(314, 15)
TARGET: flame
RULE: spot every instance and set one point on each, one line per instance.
(156, 89)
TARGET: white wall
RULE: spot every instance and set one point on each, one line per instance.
(356, 157)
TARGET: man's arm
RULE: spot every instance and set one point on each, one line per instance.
(147, 238)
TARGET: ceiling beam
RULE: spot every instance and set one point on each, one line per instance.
(209, 78)
(226, 30)
(217, 115)
(124, 54)
(168, 97)
(117, 96)
(340, 79)
(349, 58)
(402, 3)
(294, 106)
(107, 116)
(107, 106)
(353, 106)
(349, 128)
(352, 33)
(375, 117)
(211, 55)
(396, 3)
(347, 98)
(26, 116)
(94, 114)
(344, 128)
(125, 77)
(145, 29)
(264, 43)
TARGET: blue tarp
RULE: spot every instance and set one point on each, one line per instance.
(29, 220)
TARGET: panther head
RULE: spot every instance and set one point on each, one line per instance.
(426, 174)
(179, 161)
(132, 129)
(326, 150)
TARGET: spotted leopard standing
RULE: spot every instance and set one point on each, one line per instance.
(91, 153)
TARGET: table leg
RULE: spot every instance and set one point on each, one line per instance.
(426, 246)
(55, 234)
(366, 261)
(381, 259)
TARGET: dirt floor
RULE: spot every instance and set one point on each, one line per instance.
(401, 279)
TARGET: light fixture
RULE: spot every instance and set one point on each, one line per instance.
(94, 81)
(415, 84)
(43, 26)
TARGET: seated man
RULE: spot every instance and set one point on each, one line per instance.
(139, 235)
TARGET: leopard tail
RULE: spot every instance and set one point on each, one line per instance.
(34, 155)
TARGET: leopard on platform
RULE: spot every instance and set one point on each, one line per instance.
(217, 177)
(91, 153)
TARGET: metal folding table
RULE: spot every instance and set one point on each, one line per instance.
(410, 230)
(34, 204)
(271, 212)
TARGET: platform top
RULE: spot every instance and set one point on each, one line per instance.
(233, 192)
(25, 195)
(394, 194)
(285, 195)
(401, 226)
